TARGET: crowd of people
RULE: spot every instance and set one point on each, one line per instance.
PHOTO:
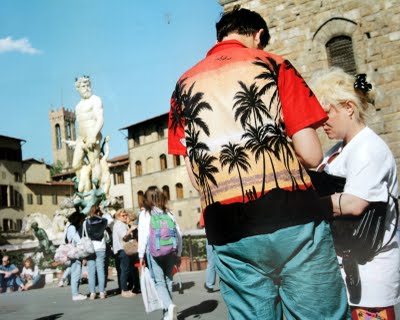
(285, 225)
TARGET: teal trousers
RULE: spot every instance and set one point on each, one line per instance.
(293, 270)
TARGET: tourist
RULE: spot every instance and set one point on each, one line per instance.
(161, 265)
(30, 274)
(96, 229)
(9, 276)
(74, 233)
(369, 167)
(245, 121)
(124, 263)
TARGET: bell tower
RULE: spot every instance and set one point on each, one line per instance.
(62, 122)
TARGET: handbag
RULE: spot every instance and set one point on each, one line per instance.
(151, 300)
(130, 247)
(83, 248)
(61, 255)
(357, 239)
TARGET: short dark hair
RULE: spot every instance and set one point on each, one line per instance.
(242, 21)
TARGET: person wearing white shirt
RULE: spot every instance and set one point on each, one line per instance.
(161, 267)
(368, 165)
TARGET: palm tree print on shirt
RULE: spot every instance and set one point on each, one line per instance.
(234, 156)
(189, 105)
(270, 75)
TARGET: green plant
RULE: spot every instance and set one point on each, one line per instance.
(198, 247)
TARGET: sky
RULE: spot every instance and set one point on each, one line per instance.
(133, 50)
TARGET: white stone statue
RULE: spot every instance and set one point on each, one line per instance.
(105, 181)
(90, 118)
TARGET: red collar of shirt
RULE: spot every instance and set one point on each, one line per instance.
(224, 45)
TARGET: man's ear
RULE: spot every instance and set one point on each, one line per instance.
(257, 38)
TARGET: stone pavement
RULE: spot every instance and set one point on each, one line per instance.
(51, 303)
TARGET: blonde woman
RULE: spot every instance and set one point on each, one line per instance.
(368, 165)
(124, 263)
(160, 265)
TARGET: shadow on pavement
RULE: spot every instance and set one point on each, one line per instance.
(185, 286)
(51, 317)
(204, 307)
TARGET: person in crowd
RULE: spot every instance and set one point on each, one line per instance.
(84, 272)
(369, 167)
(9, 277)
(161, 266)
(263, 220)
(30, 274)
(122, 232)
(66, 277)
(96, 229)
(74, 233)
(211, 272)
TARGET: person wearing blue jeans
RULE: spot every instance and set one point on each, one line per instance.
(96, 228)
(210, 272)
(76, 220)
(161, 271)
(9, 276)
(96, 269)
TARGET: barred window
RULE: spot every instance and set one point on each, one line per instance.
(138, 168)
(29, 198)
(340, 54)
(39, 199)
(179, 191)
(163, 162)
(54, 199)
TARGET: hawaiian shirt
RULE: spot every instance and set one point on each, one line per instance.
(232, 114)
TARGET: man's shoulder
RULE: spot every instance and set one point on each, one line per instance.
(231, 55)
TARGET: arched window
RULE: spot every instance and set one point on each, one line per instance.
(163, 162)
(58, 136)
(165, 190)
(179, 191)
(150, 164)
(177, 160)
(138, 168)
(69, 133)
(140, 196)
(340, 53)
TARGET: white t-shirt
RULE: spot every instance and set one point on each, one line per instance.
(30, 272)
(370, 171)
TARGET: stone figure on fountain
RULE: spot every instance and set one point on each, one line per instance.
(45, 245)
(92, 181)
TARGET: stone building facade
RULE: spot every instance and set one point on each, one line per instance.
(25, 186)
(151, 165)
(314, 35)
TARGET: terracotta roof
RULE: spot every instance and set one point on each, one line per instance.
(119, 158)
(51, 183)
(146, 121)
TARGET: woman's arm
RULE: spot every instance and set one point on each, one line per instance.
(348, 204)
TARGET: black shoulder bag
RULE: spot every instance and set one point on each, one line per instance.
(357, 239)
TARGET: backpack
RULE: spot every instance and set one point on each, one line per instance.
(163, 234)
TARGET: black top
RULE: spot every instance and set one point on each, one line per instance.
(95, 227)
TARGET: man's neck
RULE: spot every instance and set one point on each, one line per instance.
(248, 41)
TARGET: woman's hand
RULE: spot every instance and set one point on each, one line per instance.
(142, 263)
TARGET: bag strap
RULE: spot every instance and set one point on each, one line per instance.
(396, 208)
(84, 232)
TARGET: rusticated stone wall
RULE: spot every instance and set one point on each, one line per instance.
(300, 29)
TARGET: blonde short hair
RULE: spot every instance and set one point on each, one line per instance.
(334, 86)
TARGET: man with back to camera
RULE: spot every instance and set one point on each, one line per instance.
(231, 116)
